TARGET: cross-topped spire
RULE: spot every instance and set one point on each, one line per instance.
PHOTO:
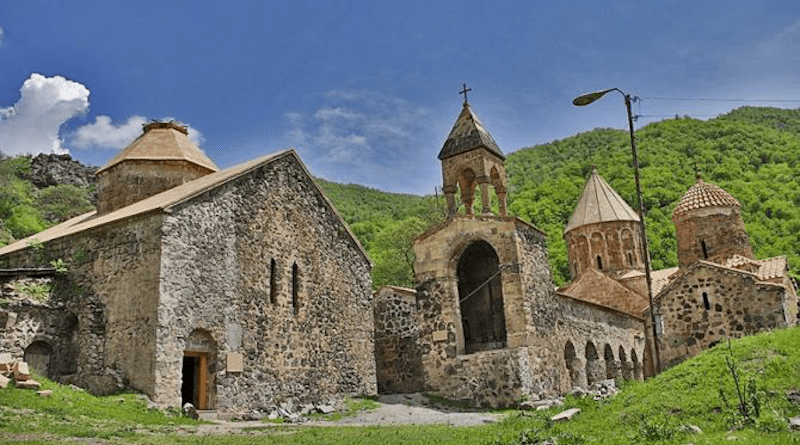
(464, 92)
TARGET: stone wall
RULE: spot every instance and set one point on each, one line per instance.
(718, 230)
(617, 244)
(595, 343)
(526, 289)
(134, 180)
(710, 303)
(303, 328)
(111, 288)
(398, 360)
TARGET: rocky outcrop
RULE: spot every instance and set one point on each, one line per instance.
(52, 169)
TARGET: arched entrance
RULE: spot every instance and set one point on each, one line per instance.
(480, 291)
(199, 359)
(37, 356)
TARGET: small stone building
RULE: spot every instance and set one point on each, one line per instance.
(483, 323)
(235, 290)
(719, 290)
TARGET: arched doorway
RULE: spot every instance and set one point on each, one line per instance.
(37, 356)
(199, 360)
(480, 291)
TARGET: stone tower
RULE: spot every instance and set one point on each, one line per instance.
(471, 157)
(161, 158)
(603, 233)
(709, 226)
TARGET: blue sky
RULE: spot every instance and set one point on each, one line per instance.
(367, 91)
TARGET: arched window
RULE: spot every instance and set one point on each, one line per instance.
(480, 293)
(599, 263)
(705, 249)
(295, 290)
(273, 281)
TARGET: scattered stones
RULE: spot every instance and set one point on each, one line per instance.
(45, 393)
(565, 415)
(21, 371)
(190, 411)
(325, 409)
(794, 423)
(4, 381)
(794, 396)
(690, 429)
(28, 384)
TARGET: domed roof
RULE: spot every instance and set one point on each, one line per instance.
(599, 203)
(704, 195)
(163, 141)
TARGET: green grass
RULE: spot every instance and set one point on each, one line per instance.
(651, 412)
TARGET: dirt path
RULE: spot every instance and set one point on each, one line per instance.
(397, 409)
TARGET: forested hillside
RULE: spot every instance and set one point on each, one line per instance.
(753, 153)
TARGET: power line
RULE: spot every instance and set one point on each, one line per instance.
(707, 99)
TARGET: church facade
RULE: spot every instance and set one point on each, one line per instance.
(235, 290)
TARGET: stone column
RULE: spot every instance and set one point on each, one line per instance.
(450, 197)
(486, 202)
(501, 199)
(627, 370)
(467, 197)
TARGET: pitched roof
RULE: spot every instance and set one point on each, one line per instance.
(765, 269)
(164, 202)
(599, 289)
(661, 278)
(703, 195)
(162, 141)
(468, 134)
(599, 203)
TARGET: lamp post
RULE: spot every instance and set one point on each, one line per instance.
(587, 99)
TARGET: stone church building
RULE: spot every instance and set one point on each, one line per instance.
(484, 323)
(234, 289)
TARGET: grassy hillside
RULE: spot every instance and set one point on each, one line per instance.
(699, 392)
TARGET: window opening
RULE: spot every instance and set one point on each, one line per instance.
(295, 302)
(705, 249)
(599, 262)
(630, 259)
(705, 301)
(273, 282)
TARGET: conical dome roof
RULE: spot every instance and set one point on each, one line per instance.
(468, 134)
(599, 203)
(163, 141)
(704, 195)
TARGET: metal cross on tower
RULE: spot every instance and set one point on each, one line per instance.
(464, 92)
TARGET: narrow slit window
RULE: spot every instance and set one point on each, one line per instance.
(706, 304)
(630, 259)
(295, 283)
(599, 262)
(705, 249)
(273, 282)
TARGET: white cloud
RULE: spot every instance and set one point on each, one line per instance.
(32, 124)
(102, 133)
(366, 137)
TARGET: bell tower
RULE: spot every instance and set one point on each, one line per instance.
(470, 157)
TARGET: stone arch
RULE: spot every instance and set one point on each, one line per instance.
(466, 182)
(615, 259)
(37, 355)
(638, 371)
(198, 383)
(628, 247)
(582, 253)
(625, 365)
(612, 365)
(598, 249)
(594, 369)
(480, 293)
(577, 374)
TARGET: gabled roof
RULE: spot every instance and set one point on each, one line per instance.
(599, 289)
(162, 141)
(661, 278)
(599, 203)
(702, 195)
(166, 200)
(468, 134)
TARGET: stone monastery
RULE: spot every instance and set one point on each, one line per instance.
(242, 289)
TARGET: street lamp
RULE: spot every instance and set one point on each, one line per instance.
(586, 99)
